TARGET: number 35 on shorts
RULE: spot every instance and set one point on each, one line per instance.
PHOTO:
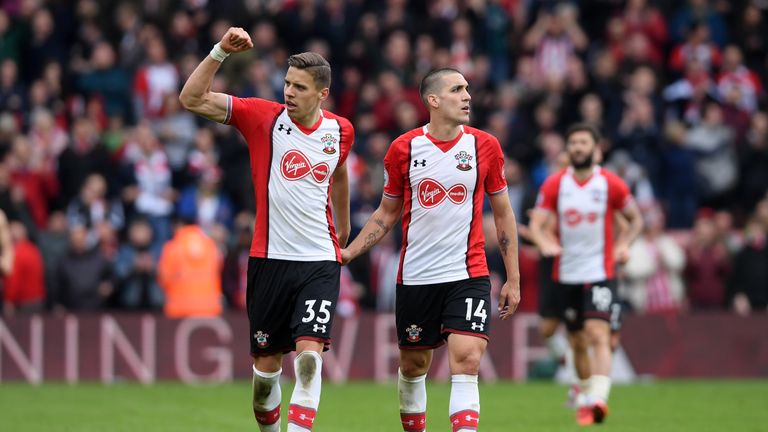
(322, 316)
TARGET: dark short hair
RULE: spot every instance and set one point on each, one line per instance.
(430, 81)
(317, 66)
(583, 127)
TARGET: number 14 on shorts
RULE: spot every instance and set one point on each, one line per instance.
(479, 312)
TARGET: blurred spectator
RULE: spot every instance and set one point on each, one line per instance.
(105, 79)
(639, 136)
(697, 47)
(687, 96)
(634, 175)
(749, 280)
(737, 78)
(44, 44)
(205, 203)
(12, 97)
(716, 165)
(92, 209)
(48, 139)
(85, 155)
(552, 147)
(679, 178)
(750, 34)
(754, 162)
(152, 195)
(640, 17)
(654, 272)
(25, 284)
(707, 265)
(54, 245)
(11, 37)
(84, 279)
(6, 254)
(698, 11)
(39, 185)
(176, 130)
(135, 270)
(189, 272)
(555, 37)
(235, 272)
(154, 81)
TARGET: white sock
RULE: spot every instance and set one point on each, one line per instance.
(306, 395)
(600, 387)
(464, 406)
(266, 399)
(584, 385)
(413, 402)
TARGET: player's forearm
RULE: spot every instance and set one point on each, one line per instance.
(374, 230)
(198, 85)
(506, 233)
(340, 200)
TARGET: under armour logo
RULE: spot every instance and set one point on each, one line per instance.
(416, 163)
(478, 326)
(286, 129)
(318, 328)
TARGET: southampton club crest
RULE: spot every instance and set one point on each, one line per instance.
(329, 141)
(262, 339)
(414, 333)
(463, 158)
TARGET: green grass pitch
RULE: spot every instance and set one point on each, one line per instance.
(700, 406)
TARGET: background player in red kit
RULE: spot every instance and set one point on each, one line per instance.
(573, 222)
(439, 175)
(297, 152)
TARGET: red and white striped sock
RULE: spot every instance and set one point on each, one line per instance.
(464, 406)
(306, 395)
(413, 402)
(266, 399)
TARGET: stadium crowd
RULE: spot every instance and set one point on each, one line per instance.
(100, 165)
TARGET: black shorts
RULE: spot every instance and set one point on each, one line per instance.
(550, 299)
(596, 300)
(427, 314)
(289, 301)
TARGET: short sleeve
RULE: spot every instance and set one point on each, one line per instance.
(347, 139)
(248, 113)
(619, 195)
(394, 177)
(547, 198)
(495, 181)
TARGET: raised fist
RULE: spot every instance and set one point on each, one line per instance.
(236, 40)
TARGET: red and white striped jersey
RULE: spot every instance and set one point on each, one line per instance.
(442, 184)
(585, 222)
(292, 169)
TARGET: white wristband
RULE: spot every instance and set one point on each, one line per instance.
(218, 54)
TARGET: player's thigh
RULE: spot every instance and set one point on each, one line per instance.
(316, 299)
(467, 308)
(465, 353)
(418, 315)
(269, 304)
(572, 296)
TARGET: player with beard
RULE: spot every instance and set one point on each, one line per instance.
(573, 222)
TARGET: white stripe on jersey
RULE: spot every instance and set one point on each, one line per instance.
(581, 213)
(300, 172)
(442, 188)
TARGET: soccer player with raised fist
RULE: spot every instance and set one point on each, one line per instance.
(297, 153)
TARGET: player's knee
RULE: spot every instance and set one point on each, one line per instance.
(467, 362)
(579, 342)
(414, 365)
(597, 333)
(547, 328)
(308, 365)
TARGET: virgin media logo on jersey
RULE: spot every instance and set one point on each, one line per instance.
(296, 166)
(574, 217)
(432, 193)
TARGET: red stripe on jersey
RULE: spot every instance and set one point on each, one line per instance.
(260, 246)
(328, 212)
(407, 215)
(471, 260)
